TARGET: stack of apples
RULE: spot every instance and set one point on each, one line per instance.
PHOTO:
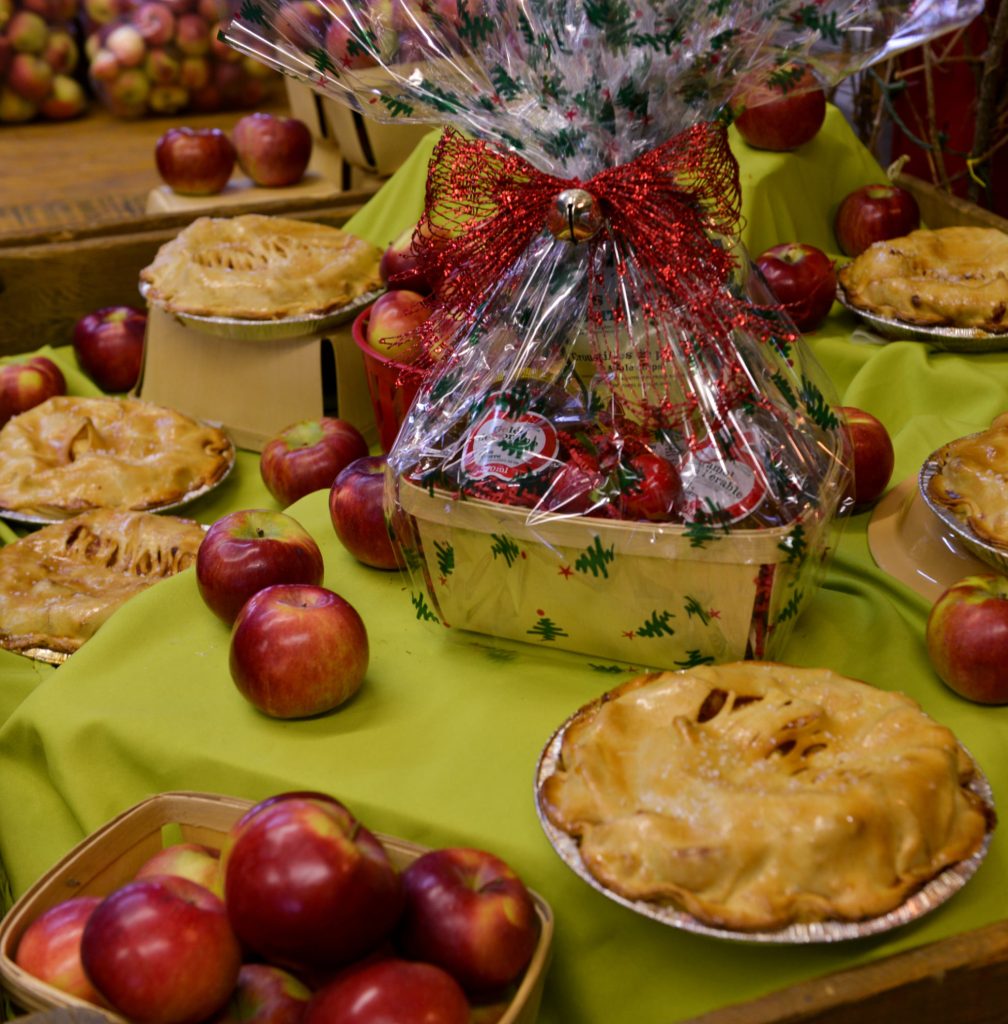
(38, 57)
(302, 916)
(164, 56)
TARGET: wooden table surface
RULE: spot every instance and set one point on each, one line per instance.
(92, 170)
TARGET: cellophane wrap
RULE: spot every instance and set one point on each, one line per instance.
(620, 445)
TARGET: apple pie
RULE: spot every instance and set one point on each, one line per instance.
(60, 583)
(71, 453)
(754, 795)
(260, 267)
(948, 277)
(971, 480)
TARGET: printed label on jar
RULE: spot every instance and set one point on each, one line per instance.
(732, 486)
(504, 447)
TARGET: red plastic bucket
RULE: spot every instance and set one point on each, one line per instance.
(391, 385)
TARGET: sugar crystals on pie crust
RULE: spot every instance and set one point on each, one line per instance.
(754, 795)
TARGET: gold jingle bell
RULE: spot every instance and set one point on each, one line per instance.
(574, 216)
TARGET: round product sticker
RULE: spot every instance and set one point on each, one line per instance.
(730, 486)
(504, 447)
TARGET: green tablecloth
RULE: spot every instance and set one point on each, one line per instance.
(441, 744)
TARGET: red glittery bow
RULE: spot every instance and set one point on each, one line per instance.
(672, 214)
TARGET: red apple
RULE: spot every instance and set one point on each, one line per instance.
(128, 45)
(342, 42)
(273, 151)
(66, 100)
(161, 951)
(575, 489)
(802, 279)
(195, 161)
(389, 991)
(873, 457)
(653, 488)
(392, 319)
(357, 510)
(874, 213)
(780, 109)
(400, 267)
(155, 22)
(307, 884)
(247, 550)
(192, 35)
(467, 911)
(109, 345)
(308, 456)
(198, 863)
(49, 948)
(298, 650)
(30, 77)
(265, 995)
(967, 638)
(25, 385)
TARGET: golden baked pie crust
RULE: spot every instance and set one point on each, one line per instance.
(754, 795)
(71, 453)
(972, 481)
(260, 267)
(947, 277)
(60, 583)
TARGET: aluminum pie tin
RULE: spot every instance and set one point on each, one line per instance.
(40, 519)
(993, 555)
(237, 329)
(928, 898)
(951, 339)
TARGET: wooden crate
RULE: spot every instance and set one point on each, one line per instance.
(111, 857)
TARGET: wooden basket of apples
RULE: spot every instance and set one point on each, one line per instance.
(281, 911)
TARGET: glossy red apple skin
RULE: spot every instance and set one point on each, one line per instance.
(249, 549)
(781, 117)
(195, 161)
(265, 994)
(873, 457)
(967, 638)
(49, 948)
(307, 884)
(468, 912)
(273, 151)
(161, 951)
(391, 320)
(575, 490)
(198, 863)
(390, 991)
(24, 385)
(109, 344)
(401, 268)
(802, 279)
(308, 456)
(357, 511)
(298, 651)
(874, 213)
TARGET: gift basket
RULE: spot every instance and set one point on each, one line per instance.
(621, 446)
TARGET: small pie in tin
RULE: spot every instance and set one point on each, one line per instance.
(946, 277)
(60, 583)
(260, 267)
(72, 453)
(971, 479)
(754, 795)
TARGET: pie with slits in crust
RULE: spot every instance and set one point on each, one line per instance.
(972, 481)
(260, 267)
(72, 453)
(946, 277)
(755, 795)
(60, 583)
